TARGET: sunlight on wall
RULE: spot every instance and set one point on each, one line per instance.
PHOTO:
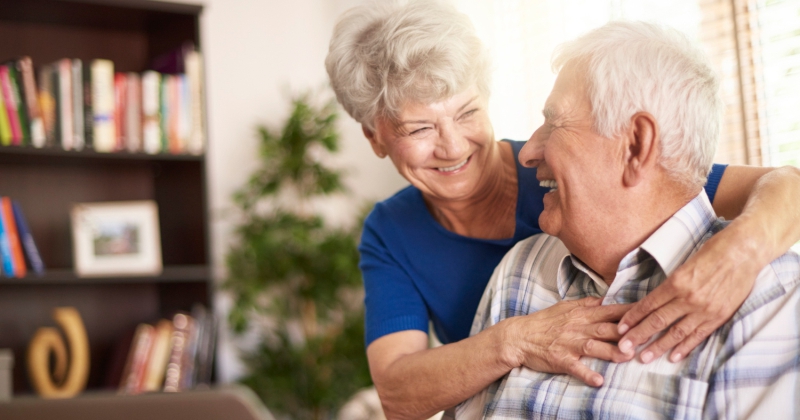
(522, 34)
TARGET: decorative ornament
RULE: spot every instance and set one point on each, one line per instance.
(69, 377)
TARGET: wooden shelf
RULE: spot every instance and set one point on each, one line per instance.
(91, 154)
(64, 276)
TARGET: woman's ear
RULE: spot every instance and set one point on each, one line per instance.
(377, 145)
(643, 142)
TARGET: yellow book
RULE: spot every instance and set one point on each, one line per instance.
(5, 127)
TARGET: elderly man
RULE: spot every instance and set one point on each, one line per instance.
(630, 129)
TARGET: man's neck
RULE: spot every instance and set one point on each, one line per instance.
(637, 215)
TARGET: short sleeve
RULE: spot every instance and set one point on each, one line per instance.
(713, 180)
(393, 302)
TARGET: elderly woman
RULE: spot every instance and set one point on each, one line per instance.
(417, 79)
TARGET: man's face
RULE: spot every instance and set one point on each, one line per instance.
(580, 166)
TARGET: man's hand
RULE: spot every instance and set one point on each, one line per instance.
(557, 337)
(700, 295)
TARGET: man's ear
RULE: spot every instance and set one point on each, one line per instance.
(377, 146)
(643, 144)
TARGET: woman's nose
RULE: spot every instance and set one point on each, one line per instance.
(532, 152)
(451, 143)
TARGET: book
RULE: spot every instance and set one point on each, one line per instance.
(193, 62)
(5, 125)
(88, 115)
(163, 98)
(37, 130)
(137, 358)
(29, 247)
(206, 340)
(159, 357)
(19, 98)
(181, 327)
(104, 132)
(77, 104)
(151, 115)
(120, 102)
(6, 258)
(133, 113)
(13, 237)
(183, 107)
(10, 102)
(47, 102)
(64, 101)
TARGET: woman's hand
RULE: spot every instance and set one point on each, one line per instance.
(554, 339)
(710, 286)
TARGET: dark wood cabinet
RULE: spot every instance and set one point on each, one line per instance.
(46, 182)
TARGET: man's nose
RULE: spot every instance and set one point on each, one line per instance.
(532, 152)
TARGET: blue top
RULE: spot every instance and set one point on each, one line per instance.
(415, 270)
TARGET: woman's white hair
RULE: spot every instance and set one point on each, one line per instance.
(637, 66)
(384, 54)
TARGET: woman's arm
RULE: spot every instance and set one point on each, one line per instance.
(712, 284)
(416, 382)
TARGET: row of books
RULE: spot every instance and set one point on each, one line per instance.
(18, 251)
(78, 105)
(172, 355)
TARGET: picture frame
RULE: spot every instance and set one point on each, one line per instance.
(118, 238)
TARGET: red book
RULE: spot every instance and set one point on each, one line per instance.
(13, 237)
(11, 105)
(120, 108)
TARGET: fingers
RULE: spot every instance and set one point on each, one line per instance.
(604, 351)
(684, 336)
(584, 374)
(652, 324)
(605, 331)
(654, 300)
(608, 313)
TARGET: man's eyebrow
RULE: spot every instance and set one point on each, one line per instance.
(548, 112)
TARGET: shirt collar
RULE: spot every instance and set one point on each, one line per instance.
(670, 245)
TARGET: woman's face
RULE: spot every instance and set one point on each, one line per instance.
(441, 148)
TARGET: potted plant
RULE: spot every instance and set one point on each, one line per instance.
(293, 277)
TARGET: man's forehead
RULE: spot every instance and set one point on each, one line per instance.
(568, 93)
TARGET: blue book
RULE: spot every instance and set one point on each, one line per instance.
(28, 246)
(5, 249)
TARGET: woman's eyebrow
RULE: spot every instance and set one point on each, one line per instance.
(466, 104)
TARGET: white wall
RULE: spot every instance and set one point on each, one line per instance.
(256, 52)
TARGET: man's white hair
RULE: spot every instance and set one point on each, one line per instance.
(637, 66)
(384, 54)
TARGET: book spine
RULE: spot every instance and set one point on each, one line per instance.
(11, 105)
(180, 331)
(77, 104)
(105, 134)
(25, 67)
(19, 99)
(13, 237)
(5, 248)
(65, 104)
(5, 125)
(137, 358)
(133, 113)
(120, 95)
(151, 119)
(88, 116)
(194, 73)
(47, 101)
(159, 357)
(173, 103)
(163, 99)
(29, 247)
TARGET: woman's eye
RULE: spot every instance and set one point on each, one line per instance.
(418, 131)
(468, 114)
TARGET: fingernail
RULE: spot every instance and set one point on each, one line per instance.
(625, 346)
(598, 380)
(676, 357)
(622, 328)
(647, 357)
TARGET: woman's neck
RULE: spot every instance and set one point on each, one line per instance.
(490, 213)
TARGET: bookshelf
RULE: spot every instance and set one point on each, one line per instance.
(47, 181)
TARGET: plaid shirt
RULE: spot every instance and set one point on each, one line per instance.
(748, 368)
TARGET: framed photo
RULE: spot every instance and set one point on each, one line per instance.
(116, 239)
